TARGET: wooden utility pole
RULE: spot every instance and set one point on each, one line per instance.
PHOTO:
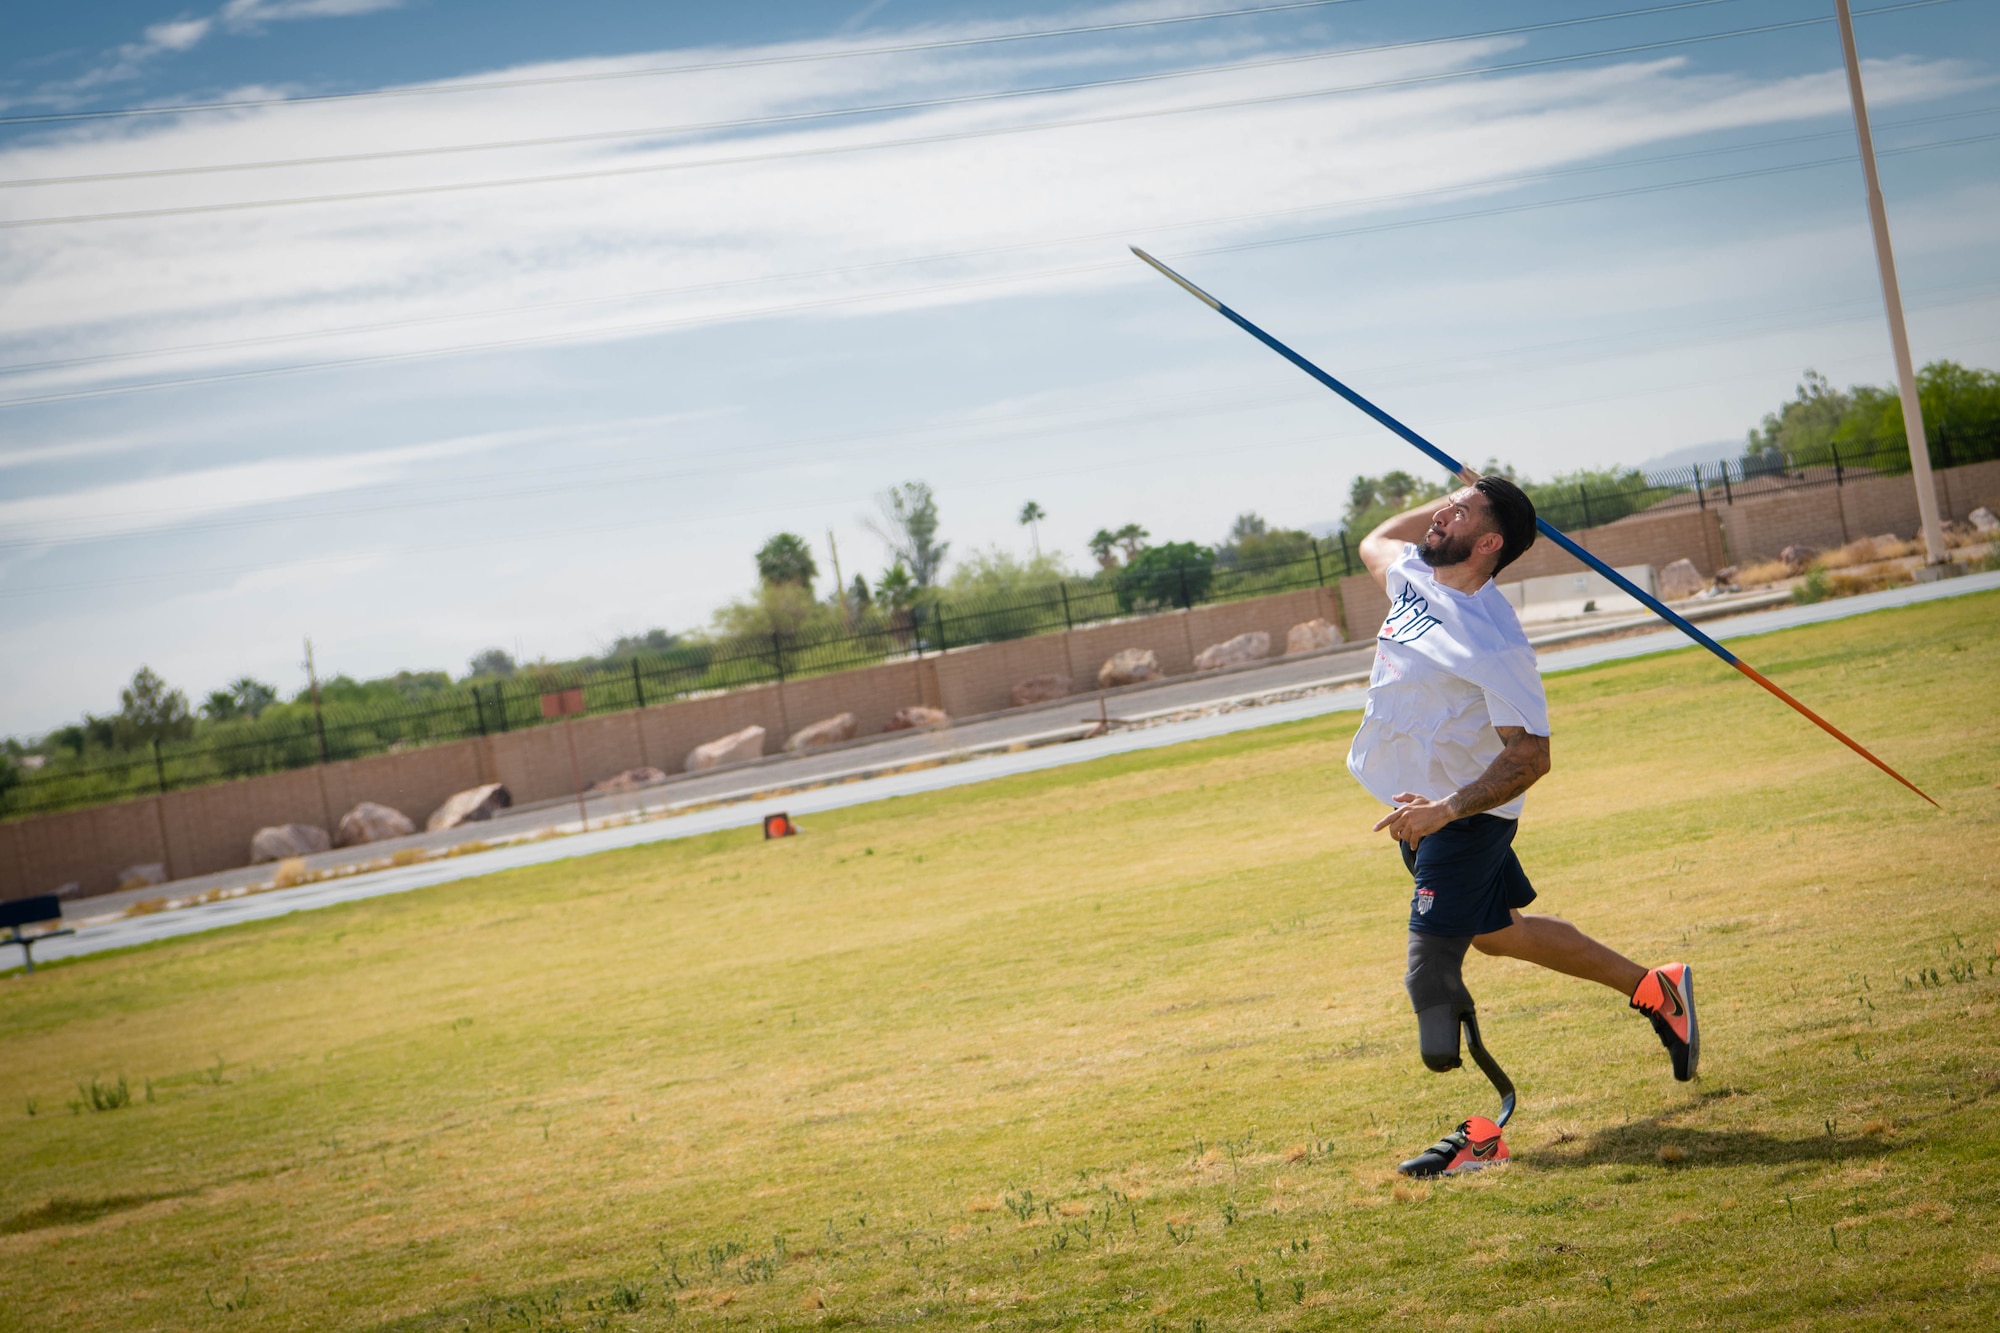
(839, 587)
(312, 678)
(1892, 298)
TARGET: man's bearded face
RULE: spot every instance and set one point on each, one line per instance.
(1438, 549)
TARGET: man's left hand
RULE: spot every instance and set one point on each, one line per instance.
(1415, 818)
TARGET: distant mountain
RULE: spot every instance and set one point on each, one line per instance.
(1713, 452)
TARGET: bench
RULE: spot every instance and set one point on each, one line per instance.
(36, 911)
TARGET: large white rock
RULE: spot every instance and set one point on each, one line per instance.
(918, 718)
(142, 876)
(1983, 520)
(731, 749)
(469, 806)
(1042, 689)
(1251, 647)
(282, 841)
(369, 822)
(1680, 580)
(827, 731)
(1311, 636)
(632, 779)
(1129, 666)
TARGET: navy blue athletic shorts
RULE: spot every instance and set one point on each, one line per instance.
(1468, 878)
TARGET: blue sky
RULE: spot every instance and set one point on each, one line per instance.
(438, 409)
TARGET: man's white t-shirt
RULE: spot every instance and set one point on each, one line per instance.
(1449, 669)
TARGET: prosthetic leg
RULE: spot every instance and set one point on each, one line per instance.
(1444, 1008)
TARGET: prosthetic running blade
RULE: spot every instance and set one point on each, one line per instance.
(1476, 1142)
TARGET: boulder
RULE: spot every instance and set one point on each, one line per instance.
(142, 876)
(468, 806)
(827, 731)
(918, 718)
(1042, 689)
(281, 842)
(1311, 636)
(632, 779)
(1251, 647)
(734, 748)
(1983, 520)
(1725, 579)
(1129, 666)
(1680, 580)
(1796, 558)
(369, 822)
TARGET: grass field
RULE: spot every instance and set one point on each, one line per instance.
(1120, 1045)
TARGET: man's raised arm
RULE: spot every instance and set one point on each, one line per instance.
(1380, 548)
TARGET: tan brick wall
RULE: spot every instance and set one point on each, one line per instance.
(1760, 526)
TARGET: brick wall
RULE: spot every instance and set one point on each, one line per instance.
(1758, 527)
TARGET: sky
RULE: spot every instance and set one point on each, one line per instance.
(523, 326)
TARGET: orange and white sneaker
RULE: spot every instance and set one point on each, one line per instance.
(1666, 996)
(1474, 1144)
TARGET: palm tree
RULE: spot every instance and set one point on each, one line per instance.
(1133, 538)
(786, 558)
(1031, 516)
(1103, 545)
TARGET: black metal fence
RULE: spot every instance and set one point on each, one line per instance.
(297, 735)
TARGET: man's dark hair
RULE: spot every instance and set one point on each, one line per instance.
(1513, 518)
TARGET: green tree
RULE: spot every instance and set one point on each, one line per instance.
(896, 590)
(492, 662)
(909, 527)
(1254, 544)
(149, 710)
(1104, 546)
(1805, 425)
(1171, 574)
(1961, 409)
(1373, 500)
(786, 558)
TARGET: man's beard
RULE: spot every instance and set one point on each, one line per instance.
(1446, 551)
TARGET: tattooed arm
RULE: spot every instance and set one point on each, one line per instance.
(1523, 759)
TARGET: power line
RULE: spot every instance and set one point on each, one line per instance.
(654, 326)
(885, 108)
(189, 210)
(702, 67)
(845, 270)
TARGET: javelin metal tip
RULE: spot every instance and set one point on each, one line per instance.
(1190, 288)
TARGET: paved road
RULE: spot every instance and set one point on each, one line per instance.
(750, 784)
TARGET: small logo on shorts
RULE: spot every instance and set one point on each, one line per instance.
(1425, 897)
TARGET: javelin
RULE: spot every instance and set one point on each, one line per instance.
(1554, 534)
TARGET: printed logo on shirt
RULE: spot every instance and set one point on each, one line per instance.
(1425, 899)
(1406, 622)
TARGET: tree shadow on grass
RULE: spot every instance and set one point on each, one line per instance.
(1641, 1143)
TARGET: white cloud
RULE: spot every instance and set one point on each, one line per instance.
(676, 243)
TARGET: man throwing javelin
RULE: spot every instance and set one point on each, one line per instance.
(1456, 731)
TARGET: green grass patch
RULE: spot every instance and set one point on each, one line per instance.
(1119, 1045)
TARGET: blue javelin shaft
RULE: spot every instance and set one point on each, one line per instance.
(1548, 529)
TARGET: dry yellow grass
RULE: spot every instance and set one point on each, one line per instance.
(775, 1083)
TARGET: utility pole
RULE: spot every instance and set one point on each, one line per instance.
(1892, 298)
(319, 721)
(839, 587)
